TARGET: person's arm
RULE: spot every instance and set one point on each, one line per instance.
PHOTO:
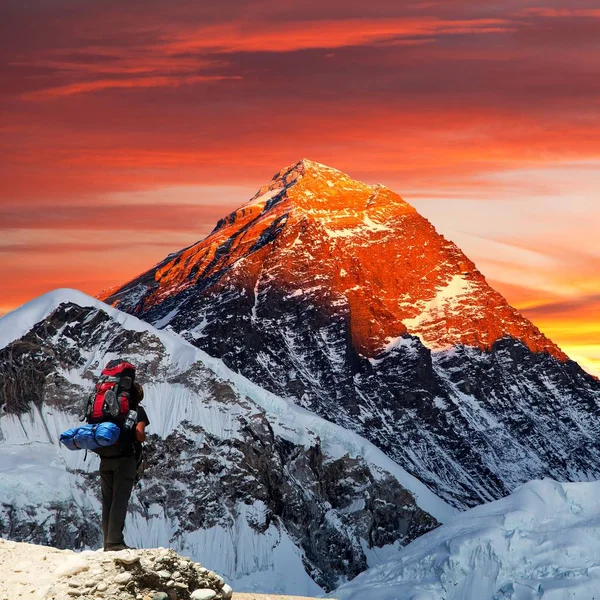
(140, 432)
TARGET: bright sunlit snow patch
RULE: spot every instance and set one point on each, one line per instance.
(364, 226)
(446, 302)
(373, 226)
(264, 198)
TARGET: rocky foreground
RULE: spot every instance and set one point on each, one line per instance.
(32, 572)
(158, 574)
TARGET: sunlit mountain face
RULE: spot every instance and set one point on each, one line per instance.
(342, 296)
(315, 234)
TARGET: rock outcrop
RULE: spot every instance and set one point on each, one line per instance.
(159, 574)
(152, 574)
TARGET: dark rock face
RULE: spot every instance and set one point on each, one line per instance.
(361, 312)
(471, 424)
(327, 507)
(30, 367)
(218, 459)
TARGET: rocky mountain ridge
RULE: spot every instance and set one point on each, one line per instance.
(269, 495)
(340, 296)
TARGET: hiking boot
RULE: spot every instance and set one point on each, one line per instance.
(117, 547)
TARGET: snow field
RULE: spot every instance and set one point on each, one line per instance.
(290, 421)
(542, 541)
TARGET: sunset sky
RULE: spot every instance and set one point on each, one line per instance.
(127, 128)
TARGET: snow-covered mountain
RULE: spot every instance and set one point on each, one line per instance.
(255, 487)
(340, 296)
(542, 541)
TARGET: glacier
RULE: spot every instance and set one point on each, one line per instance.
(541, 541)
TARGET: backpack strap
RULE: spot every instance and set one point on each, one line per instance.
(85, 415)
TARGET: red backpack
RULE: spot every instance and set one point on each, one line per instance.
(111, 401)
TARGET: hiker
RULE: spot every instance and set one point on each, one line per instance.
(115, 430)
(117, 475)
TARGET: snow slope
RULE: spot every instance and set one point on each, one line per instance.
(542, 541)
(294, 420)
(190, 407)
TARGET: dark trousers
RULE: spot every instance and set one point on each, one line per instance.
(116, 481)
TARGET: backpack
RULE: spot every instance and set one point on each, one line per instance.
(111, 402)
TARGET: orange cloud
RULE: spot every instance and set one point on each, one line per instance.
(330, 34)
(104, 84)
(170, 61)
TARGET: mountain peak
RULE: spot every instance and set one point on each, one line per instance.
(305, 165)
(318, 189)
(313, 165)
(346, 300)
(319, 236)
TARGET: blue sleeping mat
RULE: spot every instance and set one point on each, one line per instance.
(90, 437)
